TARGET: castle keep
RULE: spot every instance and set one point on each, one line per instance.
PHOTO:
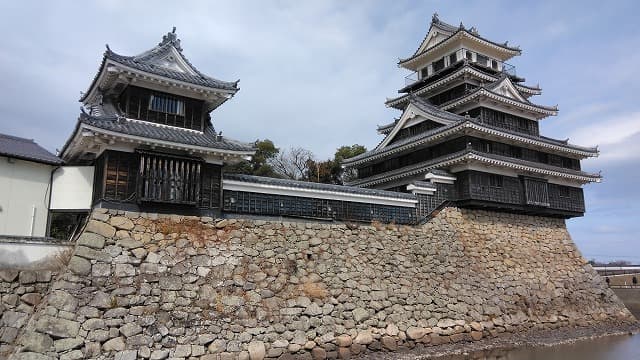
(469, 133)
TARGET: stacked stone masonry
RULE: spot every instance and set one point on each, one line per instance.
(20, 293)
(155, 287)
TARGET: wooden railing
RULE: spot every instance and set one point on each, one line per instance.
(170, 179)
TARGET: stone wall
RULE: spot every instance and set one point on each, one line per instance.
(152, 286)
(20, 293)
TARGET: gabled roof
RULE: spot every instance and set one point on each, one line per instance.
(26, 149)
(165, 60)
(485, 91)
(505, 87)
(419, 106)
(464, 68)
(463, 123)
(451, 32)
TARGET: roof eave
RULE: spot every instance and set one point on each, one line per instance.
(507, 50)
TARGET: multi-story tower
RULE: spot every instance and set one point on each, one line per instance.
(147, 130)
(469, 133)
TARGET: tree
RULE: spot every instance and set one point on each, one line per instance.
(293, 164)
(331, 171)
(260, 162)
(346, 152)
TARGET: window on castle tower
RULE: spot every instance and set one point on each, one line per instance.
(166, 104)
(453, 58)
(468, 55)
(438, 65)
(482, 60)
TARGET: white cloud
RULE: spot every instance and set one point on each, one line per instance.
(616, 136)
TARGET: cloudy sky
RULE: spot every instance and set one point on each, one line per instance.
(316, 73)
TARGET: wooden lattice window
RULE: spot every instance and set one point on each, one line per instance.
(170, 179)
(536, 192)
(119, 172)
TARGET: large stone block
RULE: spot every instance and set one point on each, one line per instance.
(122, 223)
(56, 327)
(62, 300)
(92, 254)
(79, 266)
(91, 240)
(256, 350)
(36, 342)
(170, 282)
(9, 275)
(100, 228)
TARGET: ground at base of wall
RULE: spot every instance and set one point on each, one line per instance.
(503, 343)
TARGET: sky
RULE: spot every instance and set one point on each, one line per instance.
(316, 74)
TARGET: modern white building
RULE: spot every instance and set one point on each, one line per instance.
(25, 177)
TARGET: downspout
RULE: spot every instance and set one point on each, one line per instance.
(49, 200)
(33, 220)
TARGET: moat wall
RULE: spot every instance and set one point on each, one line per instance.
(152, 286)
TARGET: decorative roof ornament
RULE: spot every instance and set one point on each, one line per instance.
(435, 19)
(461, 27)
(473, 30)
(171, 38)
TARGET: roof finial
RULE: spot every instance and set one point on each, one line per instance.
(108, 48)
(171, 38)
(461, 26)
(434, 18)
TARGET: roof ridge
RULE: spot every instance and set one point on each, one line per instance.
(17, 138)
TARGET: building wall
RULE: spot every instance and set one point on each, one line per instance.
(148, 285)
(24, 185)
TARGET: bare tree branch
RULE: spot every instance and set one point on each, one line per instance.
(293, 163)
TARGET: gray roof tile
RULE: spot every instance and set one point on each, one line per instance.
(316, 186)
(141, 64)
(26, 149)
(208, 138)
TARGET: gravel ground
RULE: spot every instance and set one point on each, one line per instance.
(497, 346)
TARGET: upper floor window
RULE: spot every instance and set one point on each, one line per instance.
(162, 108)
(481, 59)
(453, 58)
(438, 65)
(166, 104)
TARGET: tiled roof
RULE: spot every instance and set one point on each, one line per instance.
(145, 62)
(26, 149)
(150, 130)
(316, 186)
(425, 106)
(198, 79)
(463, 155)
(453, 30)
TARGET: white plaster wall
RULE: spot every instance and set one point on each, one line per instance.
(72, 188)
(26, 255)
(24, 185)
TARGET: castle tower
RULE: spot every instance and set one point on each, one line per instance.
(469, 133)
(146, 127)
